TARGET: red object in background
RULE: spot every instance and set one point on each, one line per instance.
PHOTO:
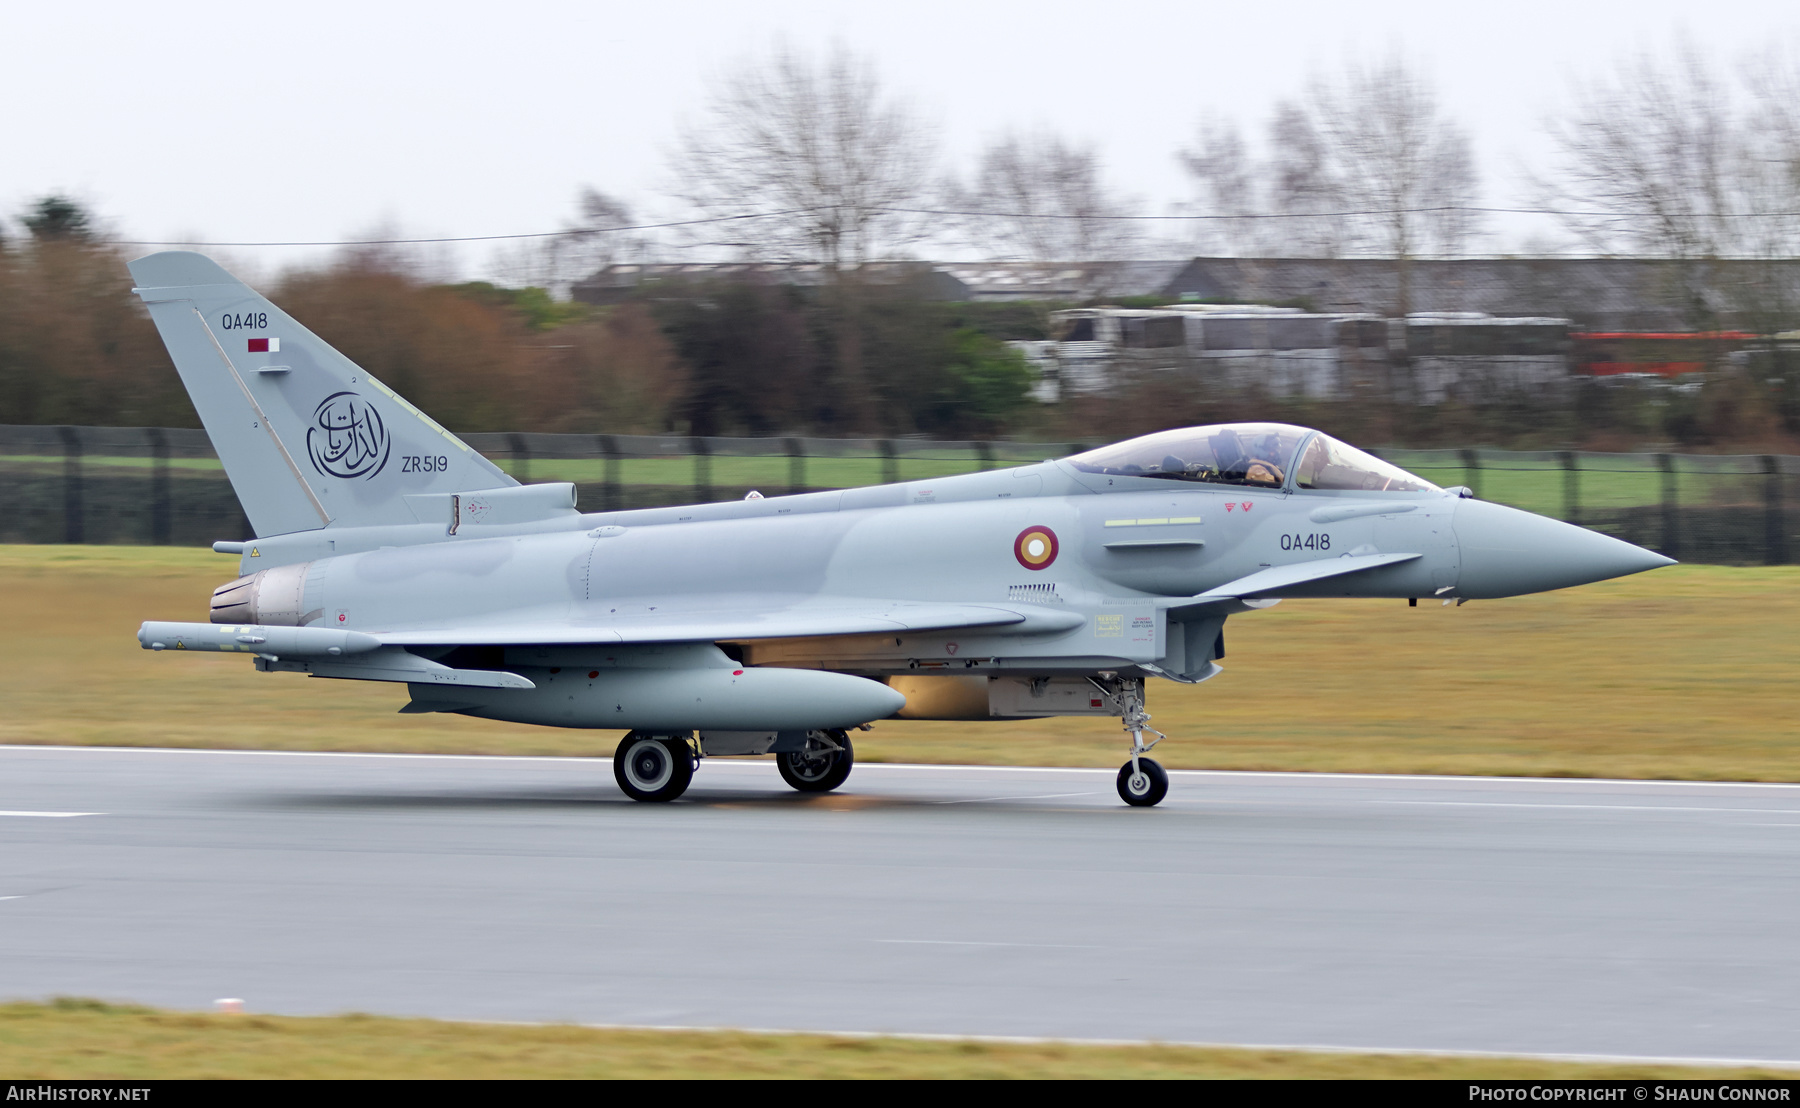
(1663, 353)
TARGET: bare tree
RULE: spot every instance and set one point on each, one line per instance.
(1285, 203)
(817, 141)
(810, 160)
(1667, 156)
(1365, 162)
(1232, 191)
(601, 234)
(1039, 197)
(1680, 158)
(1301, 187)
(1646, 160)
(1391, 152)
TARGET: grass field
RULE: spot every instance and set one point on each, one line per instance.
(90, 1040)
(1687, 672)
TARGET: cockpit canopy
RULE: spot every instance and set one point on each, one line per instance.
(1263, 455)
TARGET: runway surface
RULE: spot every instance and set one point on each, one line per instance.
(1541, 916)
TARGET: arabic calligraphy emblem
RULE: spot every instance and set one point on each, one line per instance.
(347, 438)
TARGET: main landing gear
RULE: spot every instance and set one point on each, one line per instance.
(660, 767)
(822, 766)
(654, 767)
(1142, 782)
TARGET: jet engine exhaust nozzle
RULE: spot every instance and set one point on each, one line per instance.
(270, 597)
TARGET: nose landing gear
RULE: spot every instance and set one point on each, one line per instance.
(1142, 782)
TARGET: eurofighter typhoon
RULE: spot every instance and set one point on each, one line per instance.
(388, 550)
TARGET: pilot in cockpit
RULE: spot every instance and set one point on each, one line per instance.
(1250, 454)
(1234, 461)
(1248, 462)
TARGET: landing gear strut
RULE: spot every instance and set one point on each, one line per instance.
(822, 766)
(653, 767)
(1142, 782)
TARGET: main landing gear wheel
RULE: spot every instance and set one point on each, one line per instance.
(819, 768)
(1144, 786)
(653, 767)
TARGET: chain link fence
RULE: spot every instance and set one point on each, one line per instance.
(158, 485)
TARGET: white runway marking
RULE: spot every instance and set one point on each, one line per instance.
(1587, 807)
(970, 942)
(51, 815)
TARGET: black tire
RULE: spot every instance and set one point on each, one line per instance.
(653, 768)
(1147, 788)
(820, 770)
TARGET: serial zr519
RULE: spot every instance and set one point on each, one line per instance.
(1319, 541)
(429, 463)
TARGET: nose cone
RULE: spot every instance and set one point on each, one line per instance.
(1506, 552)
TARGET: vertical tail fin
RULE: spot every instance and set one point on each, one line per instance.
(307, 437)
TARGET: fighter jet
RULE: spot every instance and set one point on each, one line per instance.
(387, 550)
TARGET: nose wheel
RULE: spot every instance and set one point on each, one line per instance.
(1142, 782)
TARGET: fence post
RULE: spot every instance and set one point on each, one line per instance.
(1472, 471)
(609, 473)
(985, 451)
(1774, 523)
(159, 485)
(890, 462)
(521, 458)
(1571, 487)
(73, 514)
(796, 452)
(1671, 544)
(702, 449)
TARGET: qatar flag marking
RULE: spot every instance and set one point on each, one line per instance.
(265, 346)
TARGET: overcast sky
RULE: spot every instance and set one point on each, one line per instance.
(323, 120)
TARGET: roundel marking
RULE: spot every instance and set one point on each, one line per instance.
(1035, 547)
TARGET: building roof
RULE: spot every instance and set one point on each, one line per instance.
(1598, 294)
(1635, 294)
(620, 282)
(1072, 282)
